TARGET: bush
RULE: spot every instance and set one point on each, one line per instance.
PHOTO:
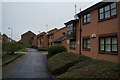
(43, 48)
(11, 47)
(92, 69)
(35, 47)
(61, 62)
(52, 50)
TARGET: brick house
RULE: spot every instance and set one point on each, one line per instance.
(60, 35)
(50, 35)
(72, 37)
(27, 38)
(35, 41)
(5, 38)
(42, 40)
(99, 25)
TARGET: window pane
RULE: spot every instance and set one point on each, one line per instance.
(88, 15)
(102, 41)
(107, 14)
(84, 45)
(84, 20)
(88, 46)
(101, 10)
(107, 8)
(114, 47)
(113, 5)
(107, 40)
(101, 47)
(113, 12)
(88, 40)
(107, 47)
(114, 40)
(101, 16)
(88, 19)
(71, 28)
(84, 16)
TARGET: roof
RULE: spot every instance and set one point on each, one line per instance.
(43, 33)
(52, 33)
(28, 32)
(95, 6)
(71, 21)
(52, 30)
(60, 39)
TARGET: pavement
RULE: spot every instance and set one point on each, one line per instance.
(32, 65)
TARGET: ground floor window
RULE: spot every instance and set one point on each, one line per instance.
(72, 44)
(57, 43)
(86, 43)
(108, 44)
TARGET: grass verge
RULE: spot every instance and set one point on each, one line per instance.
(61, 62)
(23, 50)
(7, 57)
(92, 69)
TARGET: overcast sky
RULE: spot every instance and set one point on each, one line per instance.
(34, 16)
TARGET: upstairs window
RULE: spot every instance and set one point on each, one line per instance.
(107, 11)
(70, 29)
(86, 18)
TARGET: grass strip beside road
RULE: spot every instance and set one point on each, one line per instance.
(23, 50)
(8, 58)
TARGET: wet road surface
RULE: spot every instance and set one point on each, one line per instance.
(34, 65)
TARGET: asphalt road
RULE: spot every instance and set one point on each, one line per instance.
(33, 65)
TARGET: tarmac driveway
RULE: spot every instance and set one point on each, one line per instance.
(33, 66)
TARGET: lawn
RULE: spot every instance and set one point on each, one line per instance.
(61, 62)
(23, 50)
(70, 65)
(93, 69)
(7, 57)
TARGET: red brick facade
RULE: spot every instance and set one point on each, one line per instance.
(42, 40)
(50, 35)
(27, 38)
(94, 34)
(105, 29)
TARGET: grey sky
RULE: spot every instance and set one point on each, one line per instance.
(34, 16)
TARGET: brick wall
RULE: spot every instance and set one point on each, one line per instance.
(26, 38)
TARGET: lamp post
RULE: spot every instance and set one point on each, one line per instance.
(47, 27)
(11, 33)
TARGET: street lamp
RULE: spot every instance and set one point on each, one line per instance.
(11, 33)
(39, 32)
(47, 27)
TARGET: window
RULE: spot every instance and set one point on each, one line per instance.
(70, 29)
(86, 43)
(107, 11)
(108, 44)
(72, 44)
(51, 43)
(86, 18)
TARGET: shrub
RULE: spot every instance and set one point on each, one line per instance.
(61, 62)
(35, 47)
(92, 69)
(43, 48)
(11, 47)
(52, 50)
